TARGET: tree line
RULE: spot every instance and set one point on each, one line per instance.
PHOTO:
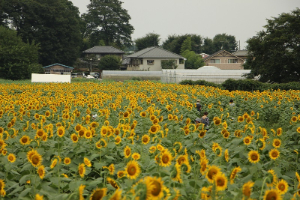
(36, 33)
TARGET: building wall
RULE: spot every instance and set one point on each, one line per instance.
(224, 63)
(54, 70)
(147, 65)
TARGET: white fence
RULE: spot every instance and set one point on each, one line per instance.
(47, 78)
(207, 73)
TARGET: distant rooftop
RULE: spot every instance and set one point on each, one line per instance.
(104, 49)
(155, 52)
(240, 53)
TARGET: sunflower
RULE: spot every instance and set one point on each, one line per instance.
(61, 131)
(36, 159)
(153, 129)
(25, 140)
(132, 169)
(253, 156)
(152, 149)
(36, 116)
(2, 184)
(201, 133)
(104, 131)
(226, 155)
(276, 143)
(274, 154)
(98, 194)
(112, 182)
(81, 190)
(279, 131)
(127, 152)
(81, 170)
(282, 186)
(233, 174)
(261, 143)
(247, 189)
(88, 134)
(272, 194)
(211, 173)
(111, 169)
(116, 195)
(39, 197)
(273, 178)
(30, 154)
(221, 181)
(74, 138)
(143, 114)
(121, 174)
(41, 171)
(240, 118)
(40, 133)
(247, 140)
(145, 139)
(166, 158)
(87, 162)
(53, 164)
(118, 140)
(217, 121)
(204, 166)
(11, 158)
(294, 119)
(226, 134)
(67, 160)
(126, 114)
(298, 129)
(78, 127)
(154, 188)
(136, 156)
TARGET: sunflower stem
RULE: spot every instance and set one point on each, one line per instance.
(262, 187)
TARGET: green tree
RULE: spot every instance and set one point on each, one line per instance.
(54, 24)
(174, 43)
(274, 53)
(150, 40)
(193, 60)
(224, 41)
(109, 62)
(17, 59)
(186, 45)
(106, 20)
(208, 46)
(168, 64)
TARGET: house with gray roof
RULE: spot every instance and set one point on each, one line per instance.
(100, 51)
(58, 68)
(224, 60)
(241, 54)
(151, 58)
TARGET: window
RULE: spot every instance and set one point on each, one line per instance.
(232, 60)
(150, 62)
(215, 61)
(141, 61)
(181, 61)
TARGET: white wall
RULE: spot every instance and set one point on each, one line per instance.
(47, 78)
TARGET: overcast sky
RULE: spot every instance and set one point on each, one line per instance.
(240, 18)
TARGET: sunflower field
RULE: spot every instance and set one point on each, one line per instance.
(138, 140)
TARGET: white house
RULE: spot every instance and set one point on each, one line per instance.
(150, 59)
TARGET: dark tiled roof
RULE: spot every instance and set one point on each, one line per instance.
(59, 65)
(155, 52)
(218, 52)
(241, 53)
(104, 49)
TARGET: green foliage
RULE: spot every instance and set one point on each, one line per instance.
(54, 24)
(200, 82)
(109, 62)
(168, 64)
(194, 61)
(245, 85)
(108, 21)
(17, 59)
(150, 40)
(174, 43)
(186, 45)
(274, 53)
(224, 41)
